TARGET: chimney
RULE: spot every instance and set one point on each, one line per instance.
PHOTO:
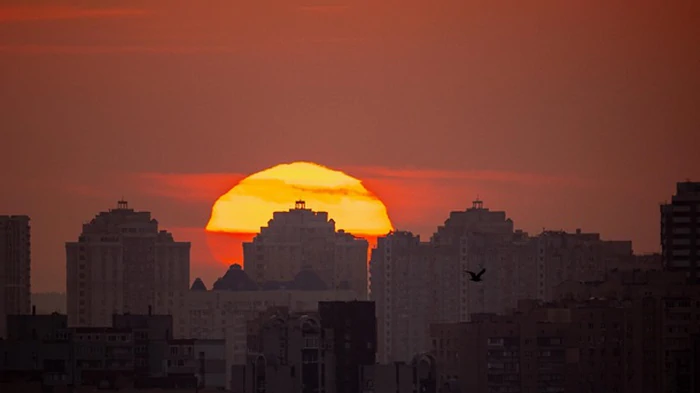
(150, 310)
(33, 310)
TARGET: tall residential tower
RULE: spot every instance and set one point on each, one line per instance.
(122, 263)
(680, 227)
(402, 288)
(301, 239)
(15, 257)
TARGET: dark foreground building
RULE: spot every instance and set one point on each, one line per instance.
(680, 230)
(354, 329)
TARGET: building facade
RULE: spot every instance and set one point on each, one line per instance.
(401, 290)
(123, 263)
(135, 352)
(680, 230)
(316, 352)
(235, 299)
(577, 256)
(662, 313)
(418, 375)
(301, 239)
(15, 268)
(350, 329)
(417, 283)
(468, 240)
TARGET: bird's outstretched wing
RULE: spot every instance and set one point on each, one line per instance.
(481, 273)
(472, 274)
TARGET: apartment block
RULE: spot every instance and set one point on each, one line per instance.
(680, 230)
(418, 375)
(122, 263)
(531, 351)
(350, 328)
(400, 286)
(301, 239)
(662, 313)
(15, 267)
(576, 256)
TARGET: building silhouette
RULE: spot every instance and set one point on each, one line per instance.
(401, 288)
(151, 336)
(301, 239)
(418, 375)
(323, 351)
(415, 284)
(15, 268)
(633, 332)
(468, 240)
(231, 310)
(122, 263)
(135, 352)
(579, 256)
(352, 329)
(680, 230)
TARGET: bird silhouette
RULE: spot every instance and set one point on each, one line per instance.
(476, 276)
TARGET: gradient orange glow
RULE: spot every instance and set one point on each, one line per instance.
(240, 213)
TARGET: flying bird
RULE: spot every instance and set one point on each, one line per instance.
(476, 276)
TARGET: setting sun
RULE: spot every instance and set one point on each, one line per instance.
(249, 205)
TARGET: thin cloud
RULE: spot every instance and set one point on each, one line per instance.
(477, 175)
(415, 198)
(335, 40)
(107, 49)
(51, 12)
(207, 187)
(325, 9)
(202, 187)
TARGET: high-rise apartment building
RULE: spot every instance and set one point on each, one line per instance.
(301, 239)
(15, 277)
(416, 283)
(661, 311)
(210, 313)
(309, 352)
(352, 327)
(680, 230)
(122, 263)
(638, 340)
(471, 240)
(525, 352)
(400, 286)
(579, 256)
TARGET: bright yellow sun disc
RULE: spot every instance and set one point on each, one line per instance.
(250, 204)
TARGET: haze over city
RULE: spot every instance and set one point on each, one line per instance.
(350, 196)
(576, 114)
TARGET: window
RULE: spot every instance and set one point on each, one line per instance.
(495, 341)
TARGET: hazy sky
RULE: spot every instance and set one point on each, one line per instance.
(565, 114)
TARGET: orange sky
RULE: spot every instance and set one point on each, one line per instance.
(565, 114)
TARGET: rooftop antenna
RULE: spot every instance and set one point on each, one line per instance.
(122, 204)
(478, 203)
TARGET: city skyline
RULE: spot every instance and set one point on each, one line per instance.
(168, 104)
(295, 196)
(420, 307)
(213, 269)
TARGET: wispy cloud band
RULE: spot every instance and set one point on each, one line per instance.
(29, 13)
(522, 178)
(209, 186)
(112, 49)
